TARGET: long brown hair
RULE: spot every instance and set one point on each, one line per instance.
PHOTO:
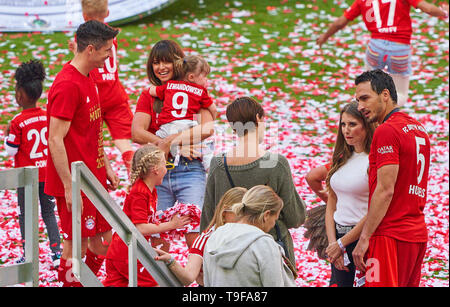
(166, 51)
(343, 151)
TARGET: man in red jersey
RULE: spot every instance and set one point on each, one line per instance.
(394, 234)
(75, 134)
(116, 111)
(389, 23)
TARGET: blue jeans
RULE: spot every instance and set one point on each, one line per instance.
(397, 57)
(185, 183)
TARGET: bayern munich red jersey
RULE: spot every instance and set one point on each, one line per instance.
(109, 87)
(140, 207)
(28, 133)
(73, 97)
(198, 247)
(182, 100)
(402, 140)
(385, 19)
(145, 105)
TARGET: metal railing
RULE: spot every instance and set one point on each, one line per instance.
(27, 272)
(138, 247)
(82, 180)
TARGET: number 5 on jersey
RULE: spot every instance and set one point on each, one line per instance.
(420, 157)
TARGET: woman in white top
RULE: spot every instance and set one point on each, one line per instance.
(348, 193)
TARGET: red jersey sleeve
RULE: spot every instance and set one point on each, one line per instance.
(138, 208)
(160, 91)
(64, 106)
(15, 134)
(206, 100)
(353, 11)
(386, 146)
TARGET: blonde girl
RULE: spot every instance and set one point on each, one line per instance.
(148, 170)
(242, 254)
(193, 269)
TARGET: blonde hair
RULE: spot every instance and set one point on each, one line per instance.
(191, 64)
(145, 159)
(255, 202)
(95, 8)
(231, 197)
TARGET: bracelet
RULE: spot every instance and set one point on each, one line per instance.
(339, 242)
(171, 261)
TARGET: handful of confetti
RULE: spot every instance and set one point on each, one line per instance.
(180, 209)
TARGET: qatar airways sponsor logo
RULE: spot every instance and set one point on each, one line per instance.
(385, 149)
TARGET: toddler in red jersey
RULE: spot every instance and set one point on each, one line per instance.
(183, 99)
(26, 141)
(148, 170)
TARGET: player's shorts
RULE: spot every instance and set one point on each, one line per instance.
(393, 263)
(92, 222)
(117, 275)
(118, 118)
(393, 56)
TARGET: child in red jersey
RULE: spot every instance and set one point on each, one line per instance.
(183, 99)
(26, 140)
(148, 170)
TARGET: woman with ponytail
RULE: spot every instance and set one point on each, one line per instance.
(243, 254)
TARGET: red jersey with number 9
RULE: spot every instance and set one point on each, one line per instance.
(404, 141)
(182, 100)
(385, 19)
(28, 133)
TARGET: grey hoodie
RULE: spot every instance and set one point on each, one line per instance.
(241, 255)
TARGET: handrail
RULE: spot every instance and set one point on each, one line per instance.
(138, 247)
(27, 272)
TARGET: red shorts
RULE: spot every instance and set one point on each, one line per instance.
(92, 222)
(394, 263)
(118, 118)
(117, 275)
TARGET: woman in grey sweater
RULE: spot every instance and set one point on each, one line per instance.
(248, 165)
(242, 254)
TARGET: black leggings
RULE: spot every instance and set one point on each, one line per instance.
(48, 215)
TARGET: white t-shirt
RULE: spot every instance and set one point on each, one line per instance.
(350, 183)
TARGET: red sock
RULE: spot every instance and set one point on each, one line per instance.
(65, 274)
(127, 158)
(93, 261)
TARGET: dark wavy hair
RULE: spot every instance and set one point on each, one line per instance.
(165, 51)
(379, 81)
(342, 151)
(29, 78)
(94, 33)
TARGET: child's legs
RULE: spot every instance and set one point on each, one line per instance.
(21, 202)
(48, 215)
(402, 87)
